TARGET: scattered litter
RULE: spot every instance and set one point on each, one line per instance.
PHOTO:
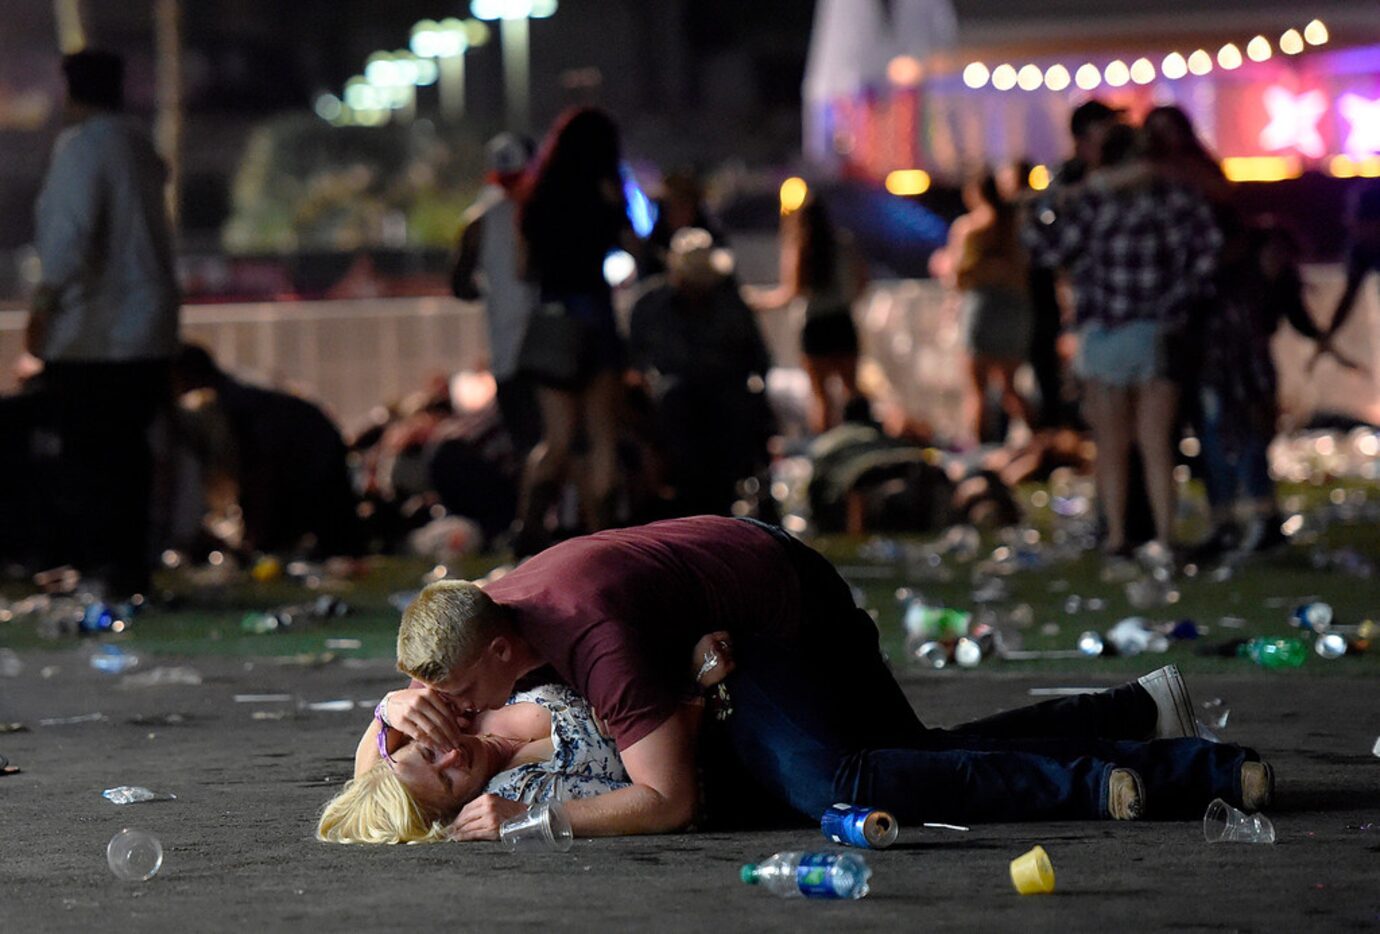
(306, 659)
(1061, 692)
(10, 665)
(269, 714)
(937, 826)
(1315, 617)
(13, 727)
(160, 719)
(334, 706)
(1330, 646)
(343, 643)
(162, 677)
(1367, 827)
(133, 794)
(1026, 655)
(80, 718)
(1223, 823)
(1375, 750)
(400, 600)
(813, 875)
(1275, 653)
(1216, 712)
(113, 660)
(263, 698)
(134, 855)
(1231, 622)
(869, 828)
(1032, 873)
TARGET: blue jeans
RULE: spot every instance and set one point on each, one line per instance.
(1244, 471)
(821, 719)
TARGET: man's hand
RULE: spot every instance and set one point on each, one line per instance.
(481, 818)
(713, 659)
(426, 715)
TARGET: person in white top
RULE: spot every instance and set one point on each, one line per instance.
(104, 322)
(487, 267)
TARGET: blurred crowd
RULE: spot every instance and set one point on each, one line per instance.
(1130, 287)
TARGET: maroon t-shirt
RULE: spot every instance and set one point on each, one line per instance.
(617, 613)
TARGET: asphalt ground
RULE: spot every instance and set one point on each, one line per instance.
(250, 777)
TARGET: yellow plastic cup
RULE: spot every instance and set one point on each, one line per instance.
(1033, 873)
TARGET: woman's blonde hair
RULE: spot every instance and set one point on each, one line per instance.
(448, 624)
(376, 808)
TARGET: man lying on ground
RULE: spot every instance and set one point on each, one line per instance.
(816, 716)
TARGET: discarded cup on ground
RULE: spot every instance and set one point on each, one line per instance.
(1330, 646)
(1375, 750)
(134, 855)
(1225, 824)
(1032, 872)
(544, 827)
(129, 794)
(1090, 644)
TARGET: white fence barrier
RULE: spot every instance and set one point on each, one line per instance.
(354, 355)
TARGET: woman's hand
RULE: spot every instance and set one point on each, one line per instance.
(713, 659)
(481, 818)
(426, 715)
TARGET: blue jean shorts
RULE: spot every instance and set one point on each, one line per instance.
(1126, 355)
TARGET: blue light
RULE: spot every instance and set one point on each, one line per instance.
(642, 212)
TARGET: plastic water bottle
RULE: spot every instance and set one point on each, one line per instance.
(813, 875)
(1275, 653)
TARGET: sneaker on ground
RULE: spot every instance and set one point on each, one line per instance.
(1167, 689)
(1257, 786)
(1125, 795)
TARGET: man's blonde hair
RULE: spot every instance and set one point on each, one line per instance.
(448, 624)
(377, 808)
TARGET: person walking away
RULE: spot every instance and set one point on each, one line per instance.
(571, 214)
(104, 321)
(987, 265)
(486, 269)
(820, 265)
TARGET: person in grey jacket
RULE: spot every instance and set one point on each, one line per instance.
(104, 322)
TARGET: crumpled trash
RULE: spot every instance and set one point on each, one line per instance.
(66, 721)
(10, 664)
(132, 794)
(1148, 592)
(446, 538)
(162, 677)
(1215, 713)
(113, 660)
(1133, 636)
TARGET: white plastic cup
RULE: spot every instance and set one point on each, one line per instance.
(134, 855)
(1223, 823)
(545, 826)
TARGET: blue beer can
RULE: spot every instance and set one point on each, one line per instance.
(869, 828)
(1316, 617)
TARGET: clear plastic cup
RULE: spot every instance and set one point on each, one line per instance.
(544, 827)
(134, 855)
(1033, 873)
(1225, 824)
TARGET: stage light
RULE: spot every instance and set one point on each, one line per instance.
(1030, 77)
(1174, 66)
(1294, 121)
(1038, 179)
(1142, 71)
(1258, 49)
(793, 192)
(1116, 73)
(1363, 115)
(908, 182)
(905, 71)
(1261, 168)
(1087, 76)
(1057, 77)
(1291, 43)
(1004, 77)
(1200, 63)
(1315, 33)
(1229, 56)
(976, 75)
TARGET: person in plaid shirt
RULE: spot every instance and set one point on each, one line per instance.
(1141, 251)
